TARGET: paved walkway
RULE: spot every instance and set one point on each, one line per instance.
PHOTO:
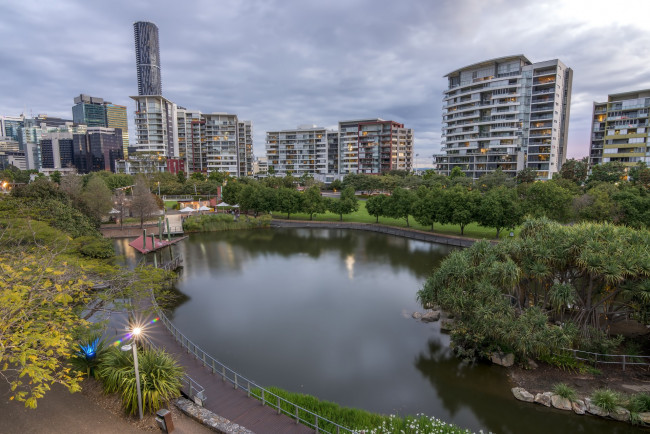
(222, 398)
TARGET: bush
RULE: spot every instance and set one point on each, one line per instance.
(606, 399)
(95, 247)
(223, 222)
(160, 378)
(88, 354)
(565, 391)
(640, 403)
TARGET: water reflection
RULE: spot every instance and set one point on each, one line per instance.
(327, 312)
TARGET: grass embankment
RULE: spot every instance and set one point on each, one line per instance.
(223, 222)
(355, 419)
(472, 230)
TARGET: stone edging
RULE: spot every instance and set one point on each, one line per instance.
(374, 227)
(579, 406)
(209, 419)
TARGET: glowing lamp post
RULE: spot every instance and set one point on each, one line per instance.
(135, 333)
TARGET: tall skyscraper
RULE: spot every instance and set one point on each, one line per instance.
(116, 118)
(506, 113)
(147, 58)
(620, 129)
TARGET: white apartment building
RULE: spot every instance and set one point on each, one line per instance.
(506, 113)
(304, 150)
(156, 128)
(620, 129)
(374, 146)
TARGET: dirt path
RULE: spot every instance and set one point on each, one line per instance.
(89, 411)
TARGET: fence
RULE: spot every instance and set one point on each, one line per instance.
(173, 264)
(172, 197)
(250, 387)
(609, 359)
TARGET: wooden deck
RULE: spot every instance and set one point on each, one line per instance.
(222, 398)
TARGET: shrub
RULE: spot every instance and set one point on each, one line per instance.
(640, 403)
(565, 391)
(160, 378)
(606, 399)
(88, 354)
(95, 247)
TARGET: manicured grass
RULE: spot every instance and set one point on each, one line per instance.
(472, 230)
(170, 204)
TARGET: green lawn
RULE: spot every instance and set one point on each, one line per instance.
(361, 216)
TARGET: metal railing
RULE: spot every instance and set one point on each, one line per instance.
(253, 389)
(193, 390)
(609, 359)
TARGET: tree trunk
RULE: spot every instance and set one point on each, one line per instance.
(141, 221)
(377, 221)
(340, 217)
(407, 221)
(462, 229)
(311, 217)
(498, 230)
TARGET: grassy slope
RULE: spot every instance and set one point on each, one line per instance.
(361, 216)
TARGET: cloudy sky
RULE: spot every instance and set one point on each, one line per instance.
(281, 63)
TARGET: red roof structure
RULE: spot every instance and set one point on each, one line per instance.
(151, 244)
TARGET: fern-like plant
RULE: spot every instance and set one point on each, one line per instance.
(160, 378)
(88, 354)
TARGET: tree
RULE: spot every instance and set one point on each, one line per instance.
(499, 208)
(633, 205)
(218, 177)
(495, 179)
(575, 170)
(376, 205)
(143, 203)
(336, 185)
(312, 202)
(611, 172)
(457, 172)
(399, 204)
(97, 197)
(181, 177)
(526, 176)
(460, 207)
(346, 204)
(289, 201)
(230, 192)
(56, 177)
(597, 204)
(428, 208)
(548, 199)
(197, 176)
(121, 204)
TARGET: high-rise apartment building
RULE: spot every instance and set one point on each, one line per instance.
(506, 113)
(156, 127)
(211, 142)
(300, 151)
(374, 146)
(620, 129)
(147, 58)
(10, 126)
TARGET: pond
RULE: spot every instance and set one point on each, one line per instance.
(327, 312)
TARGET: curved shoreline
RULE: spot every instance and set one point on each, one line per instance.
(414, 234)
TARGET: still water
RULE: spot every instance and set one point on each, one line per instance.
(327, 312)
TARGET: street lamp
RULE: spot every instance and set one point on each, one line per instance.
(158, 188)
(135, 333)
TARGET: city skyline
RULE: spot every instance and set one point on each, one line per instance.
(282, 64)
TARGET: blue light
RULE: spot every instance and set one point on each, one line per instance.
(88, 350)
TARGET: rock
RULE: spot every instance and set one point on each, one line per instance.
(560, 403)
(446, 325)
(417, 315)
(645, 418)
(579, 406)
(431, 316)
(544, 398)
(594, 409)
(620, 414)
(522, 394)
(503, 359)
(531, 364)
